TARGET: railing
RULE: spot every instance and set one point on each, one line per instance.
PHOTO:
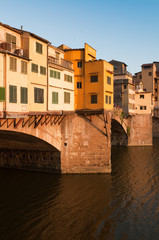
(12, 48)
(60, 62)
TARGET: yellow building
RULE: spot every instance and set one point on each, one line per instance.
(37, 49)
(93, 79)
(61, 81)
(13, 73)
(23, 72)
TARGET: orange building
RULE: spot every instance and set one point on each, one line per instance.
(93, 78)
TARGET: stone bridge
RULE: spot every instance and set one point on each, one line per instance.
(69, 142)
(133, 130)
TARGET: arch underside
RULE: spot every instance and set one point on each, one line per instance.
(118, 135)
(24, 151)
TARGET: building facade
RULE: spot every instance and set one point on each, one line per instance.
(61, 81)
(93, 79)
(124, 89)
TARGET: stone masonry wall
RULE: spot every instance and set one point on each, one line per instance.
(140, 130)
(85, 149)
(155, 127)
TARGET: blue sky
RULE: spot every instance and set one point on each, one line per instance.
(117, 29)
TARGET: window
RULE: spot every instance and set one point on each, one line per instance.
(55, 74)
(23, 67)
(94, 78)
(11, 39)
(2, 94)
(110, 100)
(79, 64)
(147, 67)
(67, 78)
(55, 97)
(115, 67)
(156, 98)
(13, 64)
(142, 96)
(93, 99)
(155, 89)
(34, 68)
(155, 80)
(109, 80)
(38, 95)
(79, 84)
(142, 107)
(106, 99)
(24, 95)
(57, 55)
(42, 70)
(39, 48)
(125, 86)
(12, 94)
(150, 73)
(66, 97)
(140, 76)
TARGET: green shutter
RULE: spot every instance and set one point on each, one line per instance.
(8, 38)
(66, 97)
(51, 73)
(24, 95)
(42, 70)
(38, 95)
(12, 94)
(2, 94)
(34, 68)
(54, 97)
(38, 47)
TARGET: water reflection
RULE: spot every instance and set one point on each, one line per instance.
(121, 205)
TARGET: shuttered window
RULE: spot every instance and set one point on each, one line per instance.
(39, 48)
(55, 97)
(109, 99)
(34, 68)
(11, 39)
(13, 64)
(79, 64)
(93, 99)
(94, 78)
(12, 94)
(2, 94)
(42, 70)
(109, 80)
(23, 67)
(67, 78)
(51, 73)
(55, 74)
(79, 85)
(106, 99)
(66, 97)
(24, 95)
(38, 95)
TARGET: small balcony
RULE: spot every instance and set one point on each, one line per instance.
(60, 62)
(12, 48)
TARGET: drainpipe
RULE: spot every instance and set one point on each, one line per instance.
(84, 105)
(47, 98)
(5, 83)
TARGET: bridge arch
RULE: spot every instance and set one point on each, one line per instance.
(119, 135)
(21, 150)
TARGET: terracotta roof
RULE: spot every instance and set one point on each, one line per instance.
(117, 62)
(21, 31)
(146, 64)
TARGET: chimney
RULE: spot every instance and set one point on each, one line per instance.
(21, 28)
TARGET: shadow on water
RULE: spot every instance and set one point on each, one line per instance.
(121, 205)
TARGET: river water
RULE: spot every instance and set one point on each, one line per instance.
(122, 205)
